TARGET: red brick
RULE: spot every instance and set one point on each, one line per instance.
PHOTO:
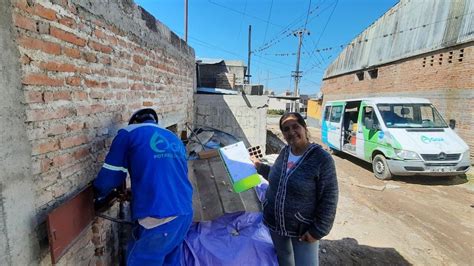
(73, 141)
(41, 79)
(100, 34)
(139, 60)
(24, 23)
(91, 83)
(73, 81)
(105, 60)
(75, 126)
(44, 114)
(63, 159)
(44, 12)
(25, 59)
(89, 57)
(46, 164)
(55, 96)
(59, 67)
(137, 86)
(79, 95)
(23, 5)
(67, 37)
(72, 52)
(33, 97)
(146, 103)
(45, 147)
(67, 21)
(100, 47)
(35, 44)
(81, 153)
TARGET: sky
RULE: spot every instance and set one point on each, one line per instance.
(218, 29)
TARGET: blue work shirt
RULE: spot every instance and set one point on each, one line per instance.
(155, 158)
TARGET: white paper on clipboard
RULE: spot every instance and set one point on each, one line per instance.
(237, 161)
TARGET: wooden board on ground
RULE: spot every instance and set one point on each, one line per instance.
(213, 194)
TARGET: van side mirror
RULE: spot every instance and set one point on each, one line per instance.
(452, 123)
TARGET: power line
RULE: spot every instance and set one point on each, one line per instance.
(269, 15)
(242, 13)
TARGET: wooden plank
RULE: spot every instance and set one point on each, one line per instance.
(206, 188)
(68, 221)
(231, 201)
(197, 207)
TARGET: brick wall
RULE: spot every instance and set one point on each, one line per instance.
(445, 77)
(85, 67)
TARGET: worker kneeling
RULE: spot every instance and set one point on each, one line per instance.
(161, 203)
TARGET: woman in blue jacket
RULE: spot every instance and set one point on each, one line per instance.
(301, 199)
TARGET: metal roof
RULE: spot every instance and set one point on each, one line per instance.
(408, 29)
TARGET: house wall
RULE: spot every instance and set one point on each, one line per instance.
(73, 71)
(446, 77)
(314, 113)
(241, 116)
(221, 75)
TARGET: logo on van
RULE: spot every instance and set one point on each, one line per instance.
(428, 140)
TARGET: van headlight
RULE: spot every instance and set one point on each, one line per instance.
(466, 154)
(407, 155)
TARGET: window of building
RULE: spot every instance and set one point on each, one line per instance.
(373, 73)
(360, 75)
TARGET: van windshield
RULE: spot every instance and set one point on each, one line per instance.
(413, 115)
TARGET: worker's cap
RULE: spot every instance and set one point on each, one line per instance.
(143, 115)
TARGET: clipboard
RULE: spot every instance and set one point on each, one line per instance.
(239, 167)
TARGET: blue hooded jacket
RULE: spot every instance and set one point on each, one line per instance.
(155, 158)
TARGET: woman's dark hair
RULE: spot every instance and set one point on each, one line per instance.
(298, 116)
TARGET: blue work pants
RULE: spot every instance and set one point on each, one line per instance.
(161, 245)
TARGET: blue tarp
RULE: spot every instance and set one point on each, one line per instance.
(233, 239)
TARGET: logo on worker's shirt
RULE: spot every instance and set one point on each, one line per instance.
(164, 148)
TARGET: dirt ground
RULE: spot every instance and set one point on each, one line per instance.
(408, 220)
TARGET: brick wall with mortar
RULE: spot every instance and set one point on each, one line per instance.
(84, 67)
(446, 77)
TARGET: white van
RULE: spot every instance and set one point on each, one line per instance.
(399, 136)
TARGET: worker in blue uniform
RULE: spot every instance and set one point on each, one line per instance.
(161, 202)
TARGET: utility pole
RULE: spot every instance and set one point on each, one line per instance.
(186, 21)
(249, 55)
(297, 74)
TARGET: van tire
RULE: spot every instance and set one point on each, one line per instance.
(380, 167)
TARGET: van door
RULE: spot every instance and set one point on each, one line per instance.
(334, 126)
(367, 138)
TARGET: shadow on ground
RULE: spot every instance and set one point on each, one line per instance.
(347, 251)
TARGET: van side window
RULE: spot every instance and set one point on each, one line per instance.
(327, 111)
(369, 114)
(336, 113)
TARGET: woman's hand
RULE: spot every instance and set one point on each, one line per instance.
(307, 237)
(255, 161)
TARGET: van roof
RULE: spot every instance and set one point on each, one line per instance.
(386, 100)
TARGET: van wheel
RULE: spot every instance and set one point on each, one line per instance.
(380, 167)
